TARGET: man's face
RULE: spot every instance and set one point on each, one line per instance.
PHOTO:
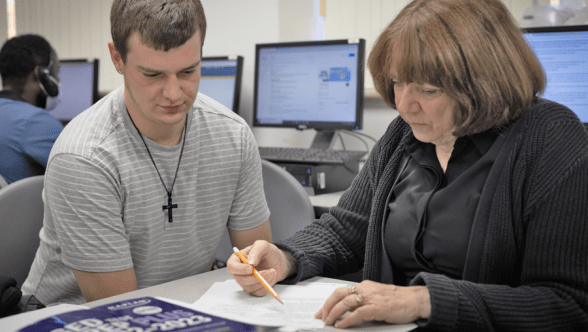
(160, 87)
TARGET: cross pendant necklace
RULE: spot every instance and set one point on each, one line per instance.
(169, 205)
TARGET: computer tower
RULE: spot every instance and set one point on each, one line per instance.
(323, 178)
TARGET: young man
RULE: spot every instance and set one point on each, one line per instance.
(30, 72)
(140, 187)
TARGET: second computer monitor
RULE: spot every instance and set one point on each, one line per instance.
(563, 53)
(314, 84)
(78, 88)
(220, 79)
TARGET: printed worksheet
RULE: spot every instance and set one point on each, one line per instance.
(301, 301)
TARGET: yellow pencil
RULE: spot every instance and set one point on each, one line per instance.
(258, 276)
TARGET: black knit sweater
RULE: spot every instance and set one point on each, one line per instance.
(527, 262)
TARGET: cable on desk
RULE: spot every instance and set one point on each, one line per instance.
(356, 135)
(341, 139)
(361, 134)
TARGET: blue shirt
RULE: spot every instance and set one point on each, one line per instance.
(27, 134)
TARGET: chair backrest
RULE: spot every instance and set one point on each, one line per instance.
(21, 219)
(3, 182)
(288, 203)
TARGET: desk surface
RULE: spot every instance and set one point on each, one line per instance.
(323, 202)
(326, 200)
(187, 290)
(192, 288)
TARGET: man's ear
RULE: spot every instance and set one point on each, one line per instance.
(115, 57)
(35, 74)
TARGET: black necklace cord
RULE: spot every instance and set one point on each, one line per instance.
(169, 192)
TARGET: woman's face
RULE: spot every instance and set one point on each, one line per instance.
(426, 108)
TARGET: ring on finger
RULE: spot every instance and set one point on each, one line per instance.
(359, 299)
(352, 290)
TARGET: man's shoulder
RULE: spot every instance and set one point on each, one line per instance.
(91, 128)
(20, 116)
(208, 109)
(22, 110)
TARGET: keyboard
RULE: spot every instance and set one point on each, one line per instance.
(300, 155)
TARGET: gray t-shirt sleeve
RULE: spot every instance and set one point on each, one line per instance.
(85, 206)
(249, 208)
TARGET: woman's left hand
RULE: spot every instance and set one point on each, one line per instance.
(370, 300)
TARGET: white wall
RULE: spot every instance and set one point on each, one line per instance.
(233, 28)
(3, 24)
(75, 28)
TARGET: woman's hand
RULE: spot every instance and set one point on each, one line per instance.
(370, 300)
(272, 263)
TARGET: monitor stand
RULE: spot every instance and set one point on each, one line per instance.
(324, 139)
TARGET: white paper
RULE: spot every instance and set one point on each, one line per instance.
(301, 301)
(227, 299)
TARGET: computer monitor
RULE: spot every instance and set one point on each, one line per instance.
(220, 79)
(563, 53)
(79, 88)
(313, 84)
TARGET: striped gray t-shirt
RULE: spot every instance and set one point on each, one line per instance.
(103, 198)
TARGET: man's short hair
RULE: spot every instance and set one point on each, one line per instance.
(471, 49)
(20, 55)
(161, 24)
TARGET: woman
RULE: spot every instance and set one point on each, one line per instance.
(470, 213)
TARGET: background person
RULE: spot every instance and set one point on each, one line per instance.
(30, 74)
(470, 213)
(141, 186)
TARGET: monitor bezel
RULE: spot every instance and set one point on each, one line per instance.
(557, 29)
(238, 76)
(317, 125)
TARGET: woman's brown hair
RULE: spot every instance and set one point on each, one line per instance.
(472, 49)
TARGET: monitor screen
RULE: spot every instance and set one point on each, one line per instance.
(563, 53)
(78, 89)
(220, 79)
(315, 84)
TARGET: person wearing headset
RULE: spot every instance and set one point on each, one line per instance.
(29, 68)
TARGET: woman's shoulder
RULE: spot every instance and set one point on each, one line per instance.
(550, 126)
(550, 112)
(546, 118)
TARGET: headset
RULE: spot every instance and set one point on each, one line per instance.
(48, 83)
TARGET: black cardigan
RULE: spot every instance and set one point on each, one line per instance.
(527, 262)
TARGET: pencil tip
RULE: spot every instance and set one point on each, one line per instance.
(280, 300)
